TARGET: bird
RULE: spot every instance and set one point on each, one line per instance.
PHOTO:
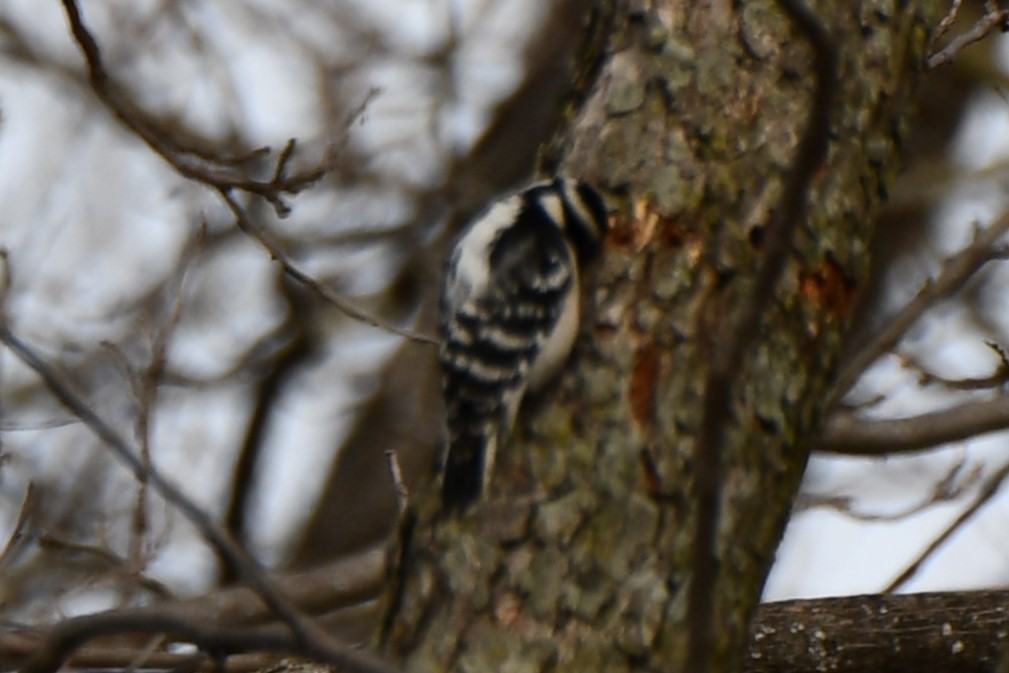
(509, 318)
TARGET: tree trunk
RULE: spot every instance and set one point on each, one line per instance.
(580, 558)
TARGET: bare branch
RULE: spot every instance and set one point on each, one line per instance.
(69, 634)
(127, 454)
(988, 491)
(294, 352)
(313, 640)
(219, 173)
(276, 251)
(949, 488)
(895, 633)
(346, 583)
(146, 387)
(17, 647)
(955, 272)
(994, 18)
(849, 434)
(961, 631)
(402, 492)
(944, 25)
(996, 379)
(340, 584)
(190, 160)
(15, 543)
(106, 558)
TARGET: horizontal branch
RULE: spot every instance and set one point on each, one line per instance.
(338, 587)
(343, 583)
(849, 434)
(908, 633)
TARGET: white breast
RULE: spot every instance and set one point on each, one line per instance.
(555, 351)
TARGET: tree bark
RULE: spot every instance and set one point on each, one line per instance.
(962, 632)
(580, 556)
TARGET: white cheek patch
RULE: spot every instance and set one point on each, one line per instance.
(555, 351)
(553, 206)
(577, 204)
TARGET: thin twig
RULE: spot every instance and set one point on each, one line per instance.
(154, 643)
(189, 160)
(272, 246)
(949, 488)
(994, 18)
(944, 25)
(126, 453)
(146, 389)
(312, 640)
(988, 491)
(729, 356)
(104, 557)
(218, 174)
(402, 492)
(955, 272)
(346, 583)
(16, 541)
(997, 379)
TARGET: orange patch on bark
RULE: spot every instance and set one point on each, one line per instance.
(644, 375)
(829, 288)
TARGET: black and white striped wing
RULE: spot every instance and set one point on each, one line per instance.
(490, 343)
